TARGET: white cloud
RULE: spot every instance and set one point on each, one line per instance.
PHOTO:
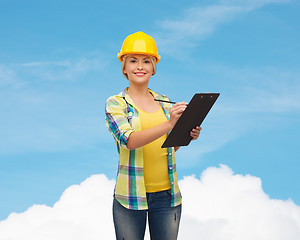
(63, 63)
(197, 23)
(24, 74)
(68, 69)
(264, 89)
(46, 120)
(220, 205)
(8, 77)
(42, 114)
(252, 99)
(82, 212)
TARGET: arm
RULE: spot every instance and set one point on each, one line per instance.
(140, 138)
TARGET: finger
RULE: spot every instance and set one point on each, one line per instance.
(179, 106)
(195, 133)
(181, 110)
(178, 110)
(197, 129)
(180, 103)
(194, 137)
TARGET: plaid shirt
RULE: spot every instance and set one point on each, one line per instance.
(122, 118)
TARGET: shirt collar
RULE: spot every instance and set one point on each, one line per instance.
(126, 96)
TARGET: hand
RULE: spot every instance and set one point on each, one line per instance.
(176, 111)
(195, 133)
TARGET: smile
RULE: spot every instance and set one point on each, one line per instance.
(140, 74)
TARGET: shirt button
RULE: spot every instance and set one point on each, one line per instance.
(170, 154)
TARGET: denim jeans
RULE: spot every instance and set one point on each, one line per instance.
(162, 218)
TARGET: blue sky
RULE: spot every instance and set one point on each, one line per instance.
(58, 65)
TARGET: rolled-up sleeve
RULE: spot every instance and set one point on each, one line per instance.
(116, 121)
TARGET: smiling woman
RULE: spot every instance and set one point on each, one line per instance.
(137, 59)
(147, 181)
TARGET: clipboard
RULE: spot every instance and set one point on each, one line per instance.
(193, 116)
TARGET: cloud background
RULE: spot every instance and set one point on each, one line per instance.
(219, 205)
(58, 65)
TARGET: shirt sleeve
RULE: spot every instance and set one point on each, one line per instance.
(116, 121)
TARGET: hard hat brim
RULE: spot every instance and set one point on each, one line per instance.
(121, 55)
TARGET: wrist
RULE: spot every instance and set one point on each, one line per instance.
(170, 125)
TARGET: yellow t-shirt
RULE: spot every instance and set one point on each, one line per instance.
(155, 158)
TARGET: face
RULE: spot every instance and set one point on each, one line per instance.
(138, 68)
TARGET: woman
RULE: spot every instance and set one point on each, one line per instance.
(147, 182)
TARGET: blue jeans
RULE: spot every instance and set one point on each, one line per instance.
(162, 218)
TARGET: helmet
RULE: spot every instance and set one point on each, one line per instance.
(139, 43)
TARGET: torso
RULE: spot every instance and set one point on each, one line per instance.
(146, 103)
(155, 158)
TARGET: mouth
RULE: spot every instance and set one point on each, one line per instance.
(140, 74)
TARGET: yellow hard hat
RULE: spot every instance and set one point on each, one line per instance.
(139, 43)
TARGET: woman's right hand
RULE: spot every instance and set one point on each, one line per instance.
(176, 111)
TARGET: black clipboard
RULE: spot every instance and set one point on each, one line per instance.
(193, 116)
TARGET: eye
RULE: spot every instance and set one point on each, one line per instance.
(133, 60)
(147, 61)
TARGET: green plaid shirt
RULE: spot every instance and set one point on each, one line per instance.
(122, 118)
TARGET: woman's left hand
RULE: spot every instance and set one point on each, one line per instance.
(195, 133)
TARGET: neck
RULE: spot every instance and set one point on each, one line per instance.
(138, 91)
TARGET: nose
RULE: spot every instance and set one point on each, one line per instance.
(140, 65)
